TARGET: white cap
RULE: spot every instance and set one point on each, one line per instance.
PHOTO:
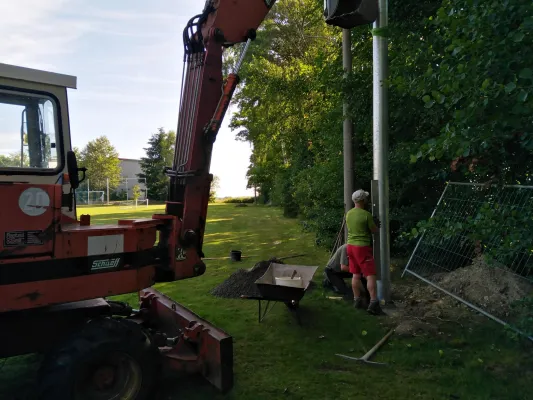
(359, 195)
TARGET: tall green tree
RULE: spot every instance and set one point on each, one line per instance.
(290, 108)
(478, 78)
(100, 158)
(159, 155)
(13, 160)
(460, 102)
(215, 185)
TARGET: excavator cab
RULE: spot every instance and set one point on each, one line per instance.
(34, 137)
(34, 143)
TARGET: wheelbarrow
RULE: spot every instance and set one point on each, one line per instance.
(282, 283)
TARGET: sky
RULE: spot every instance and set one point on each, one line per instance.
(128, 58)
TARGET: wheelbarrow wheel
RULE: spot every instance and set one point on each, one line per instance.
(292, 305)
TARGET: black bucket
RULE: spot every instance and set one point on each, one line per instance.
(235, 255)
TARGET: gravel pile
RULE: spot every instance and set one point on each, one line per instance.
(242, 282)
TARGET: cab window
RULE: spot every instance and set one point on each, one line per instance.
(28, 132)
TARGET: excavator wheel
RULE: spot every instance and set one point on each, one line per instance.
(108, 359)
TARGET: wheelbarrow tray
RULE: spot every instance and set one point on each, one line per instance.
(270, 291)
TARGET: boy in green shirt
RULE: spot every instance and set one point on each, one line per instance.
(361, 226)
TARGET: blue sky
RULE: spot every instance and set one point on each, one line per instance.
(128, 57)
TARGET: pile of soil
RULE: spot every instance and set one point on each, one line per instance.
(489, 287)
(423, 309)
(242, 282)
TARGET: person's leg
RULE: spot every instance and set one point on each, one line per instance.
(356, 286)
(345, 275)
(336, 281)
(356, 278)
(368, 267)
(372, 287)
(364, 284)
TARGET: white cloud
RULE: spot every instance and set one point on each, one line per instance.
(114, 97)
(9, 142)
(124, 15)
(35, 32)
(33, 35)
(141, 79)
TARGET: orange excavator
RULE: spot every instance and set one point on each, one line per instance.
(57, 269)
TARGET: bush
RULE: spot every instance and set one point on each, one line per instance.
(234, 200)
(118, 196)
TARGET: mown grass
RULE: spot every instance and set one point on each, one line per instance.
(277, 359)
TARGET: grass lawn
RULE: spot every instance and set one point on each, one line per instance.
(277, 359)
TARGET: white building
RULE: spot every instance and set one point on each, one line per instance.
(130, 169)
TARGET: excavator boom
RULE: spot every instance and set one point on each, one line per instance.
(205, 97)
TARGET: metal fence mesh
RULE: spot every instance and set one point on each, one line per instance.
(478, 242)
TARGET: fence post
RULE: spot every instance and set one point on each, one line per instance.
(107, 183)
(88, 193)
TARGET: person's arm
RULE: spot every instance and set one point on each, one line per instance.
(344, 259)
(373, 226)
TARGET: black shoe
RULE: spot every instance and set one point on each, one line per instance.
(359, 303)
(374, 308)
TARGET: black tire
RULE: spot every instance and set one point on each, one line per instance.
(107, 359)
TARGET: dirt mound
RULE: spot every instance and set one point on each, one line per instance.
(486, 286)
(242, 282)
(422, 309)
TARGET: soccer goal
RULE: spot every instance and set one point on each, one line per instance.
(90, 197)
(132, 203)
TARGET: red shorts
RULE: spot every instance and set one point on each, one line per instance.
(361, 260)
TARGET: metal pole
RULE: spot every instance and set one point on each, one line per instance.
(347, 127)
(88, 192)
(381, 144)
(127, 191)
(107, 184)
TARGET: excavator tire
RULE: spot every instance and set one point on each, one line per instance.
(107, 359)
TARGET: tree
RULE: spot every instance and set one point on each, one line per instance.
(13, 160)
(479, 80)
(159, 155)
(102, 163)
(77, 153)
(290, 109)
(215, 185)
(136, 192)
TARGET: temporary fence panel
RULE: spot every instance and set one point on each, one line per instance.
(476, 248)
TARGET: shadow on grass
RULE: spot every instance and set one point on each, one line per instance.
(277, 359)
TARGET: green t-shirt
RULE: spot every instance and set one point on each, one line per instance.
(360, 224)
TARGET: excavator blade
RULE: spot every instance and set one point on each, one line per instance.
(197, 346)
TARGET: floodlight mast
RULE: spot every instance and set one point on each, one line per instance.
(347, 14)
